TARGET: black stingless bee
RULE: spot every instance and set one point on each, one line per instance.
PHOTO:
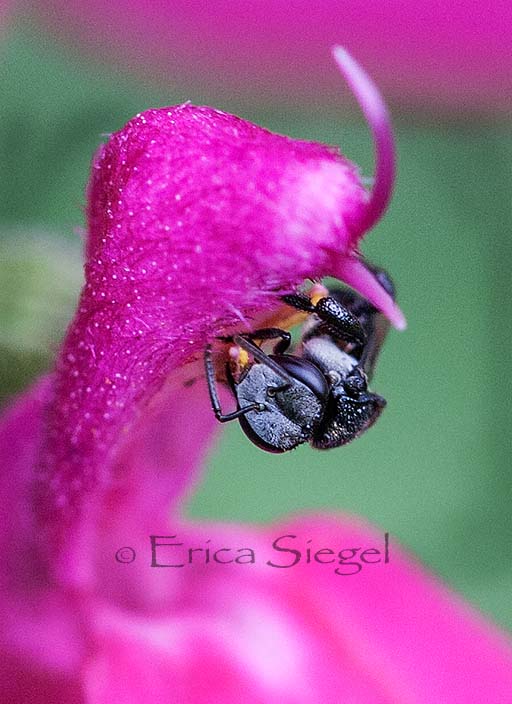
(318, 393)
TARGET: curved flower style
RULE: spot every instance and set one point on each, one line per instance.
(198, 221)
(447, 53)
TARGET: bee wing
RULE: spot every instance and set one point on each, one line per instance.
(380, 326)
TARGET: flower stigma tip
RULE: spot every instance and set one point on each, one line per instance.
(376, 113)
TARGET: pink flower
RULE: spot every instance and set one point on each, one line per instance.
(452, 54)
(198, 221)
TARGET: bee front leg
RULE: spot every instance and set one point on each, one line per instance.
(214, 397)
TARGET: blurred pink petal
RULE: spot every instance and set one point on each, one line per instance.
(451, 54)
(256, 633)
(41, 645)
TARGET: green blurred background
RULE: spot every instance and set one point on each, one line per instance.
(435, 470)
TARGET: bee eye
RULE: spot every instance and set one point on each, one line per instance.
(355, 383)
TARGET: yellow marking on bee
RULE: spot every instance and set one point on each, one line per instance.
(286, 320)
(243, 358)
(317, 292)
(317, 297)
(239, 358)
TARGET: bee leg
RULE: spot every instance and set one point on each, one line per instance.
(271, 334)
(262, 357)
(338, 321)
(299, 301)
(214, 397)
(267, 334)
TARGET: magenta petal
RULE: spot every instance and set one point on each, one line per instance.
(354, 272)
(253, 633)
(420, 641)
(33, 613)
